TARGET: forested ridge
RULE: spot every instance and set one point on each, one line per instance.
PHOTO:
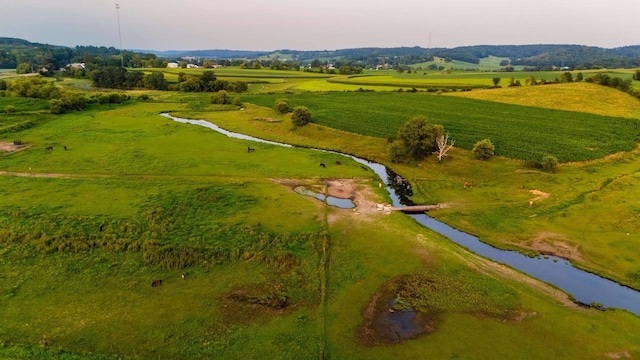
(14, 52)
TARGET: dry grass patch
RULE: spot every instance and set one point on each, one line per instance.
(580, 97)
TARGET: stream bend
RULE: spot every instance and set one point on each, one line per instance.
(585, 287)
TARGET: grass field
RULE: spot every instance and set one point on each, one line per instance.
(273, 274)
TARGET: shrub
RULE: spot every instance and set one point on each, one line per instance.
(221, 98)
(9, 109)
(301, 116)
(397, 153)
(549, 163)
(483, 149)
(67, 102)
(282, 106)
(236, 101)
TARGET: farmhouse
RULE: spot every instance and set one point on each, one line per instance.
(76, 66)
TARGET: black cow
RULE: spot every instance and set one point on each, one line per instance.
(156, 283)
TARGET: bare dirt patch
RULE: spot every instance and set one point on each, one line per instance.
(548, 243)
(9, 147)
(353, 189)
(619, 355)
(540, 195)
(245, 305)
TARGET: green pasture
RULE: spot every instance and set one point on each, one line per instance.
(516, 131)
(490, 63)
(237, 72)
(497, 209)
(273, 274)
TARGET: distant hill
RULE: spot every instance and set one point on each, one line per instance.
(15, 51)
(534, 56)
(540, 56)
(209, 54)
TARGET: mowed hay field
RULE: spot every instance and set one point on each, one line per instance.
(271, 273)
(579, 97)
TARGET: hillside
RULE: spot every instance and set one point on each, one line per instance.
(14, 51)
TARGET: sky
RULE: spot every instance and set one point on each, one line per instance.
(267, 25)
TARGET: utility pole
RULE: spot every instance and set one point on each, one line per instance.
(120, 35)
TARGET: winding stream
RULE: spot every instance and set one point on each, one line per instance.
(585, 287)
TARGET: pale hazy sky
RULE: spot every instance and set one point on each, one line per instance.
(320, 25)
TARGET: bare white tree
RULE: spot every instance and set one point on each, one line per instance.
(443, 147)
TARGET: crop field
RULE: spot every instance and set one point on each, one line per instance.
(578, 97)
(515, 130)
(251, 269)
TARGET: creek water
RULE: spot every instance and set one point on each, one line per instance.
(330, 200)
(585, 287)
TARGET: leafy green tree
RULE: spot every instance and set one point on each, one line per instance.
(24, 68)
(566, 77)
(208, 80)
(483, 149)
(301, 116)
(282, 106)
(549, 163)
(112, 77)
(636, 76)
(133, 79)
(496, 81)
(418, 136)
(34, 87)
(154, 81)
(240, 86)
(398, 152)
(3, 85)
(192, 84)
(579, 77)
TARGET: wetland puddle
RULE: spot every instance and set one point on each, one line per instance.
(330, 200)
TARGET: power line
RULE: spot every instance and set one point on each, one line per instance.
(120, 34)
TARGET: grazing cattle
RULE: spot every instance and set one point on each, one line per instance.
(156, 283)
(49, 148)
(65, 148)
(468, 184)
(183, 276)
(101, 227)
(250, 149)
(338, 162)
(322, 165)
(530, 203)
(364, 168)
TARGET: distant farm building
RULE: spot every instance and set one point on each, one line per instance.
(76, 66)
(173, 65)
